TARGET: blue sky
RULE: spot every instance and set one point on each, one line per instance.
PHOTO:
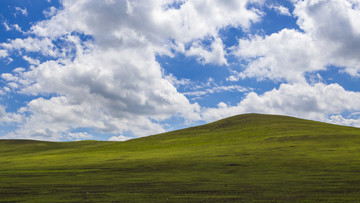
(116, 70)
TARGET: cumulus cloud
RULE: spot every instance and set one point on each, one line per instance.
(100, 70)
(330, 36)
(287, 55)
(6, 117)
(31, 44)
(3, 53)
(111, 82)
(115, 91)
(156, 19)
(216, 54)
(55, 118)
(50, 12)
(335, 27)
(119, 138)
(318, 102)
(340, 120)
(135, 23)
(281, 10)
(31, 60)
(79, 136)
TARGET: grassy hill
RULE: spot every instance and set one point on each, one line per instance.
(245, 158)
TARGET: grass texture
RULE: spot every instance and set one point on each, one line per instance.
(245, 158)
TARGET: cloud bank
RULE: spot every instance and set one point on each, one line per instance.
(104, 74)
(98, 67)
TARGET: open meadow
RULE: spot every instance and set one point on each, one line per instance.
(245, 158)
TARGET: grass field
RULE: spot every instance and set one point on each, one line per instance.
(246, 158)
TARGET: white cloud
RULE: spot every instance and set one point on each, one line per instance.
(22, 11)
(7, 27)
(151, 22)
(3, 53)
(31, 60)
(8, 77)
(335, 28)
(317, 102)
(287, 54)
(193, 20)
(120, 138)
(13, 26)
(331, 36)
(112, 82)
(50, 12)
(281, 10)
(217, 89)
(31, 44)
(216, 55)
(340, 120)
(79, 136)
(18, 70)
(53, 119)
(115, 91)
(176, 82)
(8, 117)
(17, 28)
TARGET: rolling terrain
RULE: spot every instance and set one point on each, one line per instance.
(245, 158)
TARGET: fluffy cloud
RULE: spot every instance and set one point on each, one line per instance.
(110, 81)
(80, 136)
(216, 55)
(55, 118)
(284, 55)
(120, 138)
(157, 20)
(331, 36)
(3, 53)
(32, 44)
(112, 91)
(340, 120)
(6, 117)
(335, 27)
(100, 70)
(319, 102)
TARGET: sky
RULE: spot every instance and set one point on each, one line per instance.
(121, 69)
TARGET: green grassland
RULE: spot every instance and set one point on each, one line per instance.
(245, 158)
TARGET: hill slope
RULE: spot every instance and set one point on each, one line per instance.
(249, 157)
